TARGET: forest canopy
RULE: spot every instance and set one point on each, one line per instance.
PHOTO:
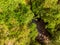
(29, 22)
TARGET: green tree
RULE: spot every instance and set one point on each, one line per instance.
(49, 11)
(15, 17)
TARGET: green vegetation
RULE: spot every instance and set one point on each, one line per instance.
(49, 11)
(16, 27)
(15, 16)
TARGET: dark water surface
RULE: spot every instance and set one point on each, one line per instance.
(43, 36)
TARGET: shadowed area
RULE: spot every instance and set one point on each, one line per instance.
(43, 36)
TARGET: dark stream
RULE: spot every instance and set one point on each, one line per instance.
(43, 36)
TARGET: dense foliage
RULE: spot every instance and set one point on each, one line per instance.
(16, 27)
(15, 16)
(49, 11)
